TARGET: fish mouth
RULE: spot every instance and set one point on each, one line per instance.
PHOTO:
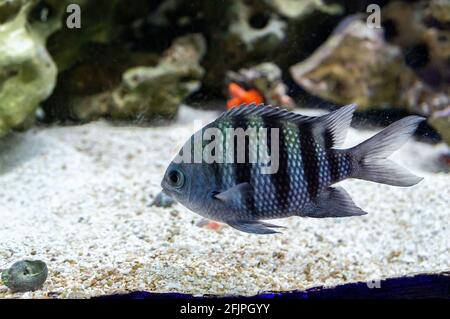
(165, 188)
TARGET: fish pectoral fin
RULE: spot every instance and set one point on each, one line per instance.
(332, 202)
(242, 190)
(254, 227)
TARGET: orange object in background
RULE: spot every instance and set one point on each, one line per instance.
(238, 95)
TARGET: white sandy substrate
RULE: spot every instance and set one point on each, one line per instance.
(77, 197)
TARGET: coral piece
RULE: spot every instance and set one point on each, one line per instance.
(357, 65)
(253, 30)
(66, 45)
(146, 92)
(309, 23)
(27, 72)
(247, 31)
(440, 120)
(295, 9)
(265, 78)
(440, 10)
(421, 30)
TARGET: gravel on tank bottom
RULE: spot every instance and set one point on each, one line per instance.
(77, 198)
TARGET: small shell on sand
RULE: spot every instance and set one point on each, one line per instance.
(77, 198)
(25, 275)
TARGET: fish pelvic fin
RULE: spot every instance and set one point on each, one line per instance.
(332, 202)
(254, 227)
(369, 159)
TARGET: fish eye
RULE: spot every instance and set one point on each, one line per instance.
(176, 178)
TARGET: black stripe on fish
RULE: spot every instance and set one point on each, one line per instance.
(345, 165)
(216, 167)
(349, 160)
(218, 172)
(333, 162)
(243, 171)
(280, 180)
(309, 161)
(328, 139)
(295, 172)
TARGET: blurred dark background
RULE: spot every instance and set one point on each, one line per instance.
(140, 60)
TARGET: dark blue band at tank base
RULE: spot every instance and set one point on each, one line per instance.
(411, 287)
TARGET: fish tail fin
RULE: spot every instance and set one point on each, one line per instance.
(370, 157)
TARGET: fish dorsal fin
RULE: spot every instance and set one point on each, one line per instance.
(329, 129)
(266, 111)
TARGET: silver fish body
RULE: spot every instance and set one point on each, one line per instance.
(229, 185)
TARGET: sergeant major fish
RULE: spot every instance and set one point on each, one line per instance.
(310, 162)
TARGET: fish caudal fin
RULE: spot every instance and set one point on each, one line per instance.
(369, 157)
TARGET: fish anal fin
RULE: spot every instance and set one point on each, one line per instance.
(332, 202)
(254, 227)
